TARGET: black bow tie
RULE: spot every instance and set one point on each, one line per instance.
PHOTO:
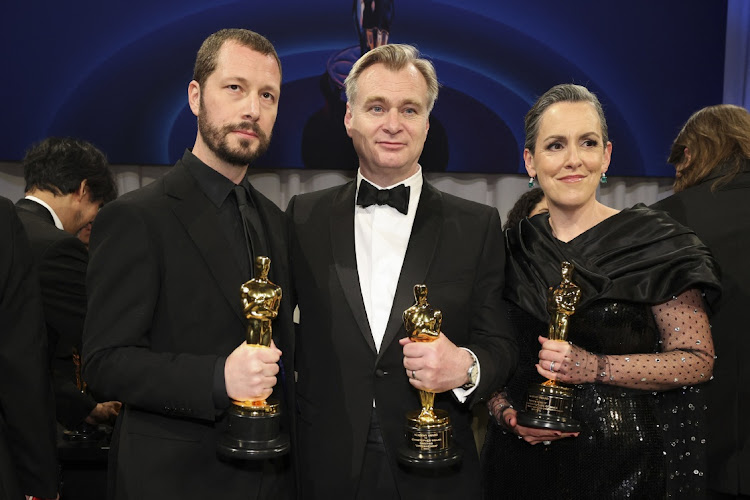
(397, 197)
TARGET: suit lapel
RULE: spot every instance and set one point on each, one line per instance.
(345, 259)
(424, 238)
(198, 215)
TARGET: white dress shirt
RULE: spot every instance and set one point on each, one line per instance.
(381, 235)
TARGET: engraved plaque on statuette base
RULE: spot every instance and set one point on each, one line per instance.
(429, 445)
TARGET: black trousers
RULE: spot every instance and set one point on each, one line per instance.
(376, 481)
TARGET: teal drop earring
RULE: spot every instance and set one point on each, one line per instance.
(531, 182)
(603, 180)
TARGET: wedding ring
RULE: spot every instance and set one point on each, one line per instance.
(547, 443)
(552, 366)
(413, 375)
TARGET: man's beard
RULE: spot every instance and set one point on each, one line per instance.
(216, 140)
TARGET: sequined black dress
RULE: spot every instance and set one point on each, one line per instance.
(633, 443)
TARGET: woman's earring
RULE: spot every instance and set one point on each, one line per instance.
(603, 180)
(531, 182)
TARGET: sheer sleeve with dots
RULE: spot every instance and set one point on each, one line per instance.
(688, 352)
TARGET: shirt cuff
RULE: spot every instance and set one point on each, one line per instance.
(221, 399)
(463, 394)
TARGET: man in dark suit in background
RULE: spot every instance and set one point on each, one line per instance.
(27, 415)
(67, 181)
(166, 330)
(355, 268)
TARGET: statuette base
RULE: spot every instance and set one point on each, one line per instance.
(549, 407)
(253, 433)
(429, 445)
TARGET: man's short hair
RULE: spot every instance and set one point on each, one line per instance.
(395, 57)
(205, 60)
(60, 164)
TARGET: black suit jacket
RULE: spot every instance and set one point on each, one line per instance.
(61, 260)
(165, 307)
(456, 249)
(721, 220)
(27, 421)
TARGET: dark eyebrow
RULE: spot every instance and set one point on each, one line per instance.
(245, 82)
(593, 132)
(555, 137)
(562, 137)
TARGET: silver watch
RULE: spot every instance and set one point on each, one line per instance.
(473, 375)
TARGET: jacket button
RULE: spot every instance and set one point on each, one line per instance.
(380, 373)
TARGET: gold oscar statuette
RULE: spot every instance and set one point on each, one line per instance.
(84, 433)
(550, 405)
(253, 429)
(80, 383)
(428, 431)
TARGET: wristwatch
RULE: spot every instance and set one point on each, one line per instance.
(473, 374)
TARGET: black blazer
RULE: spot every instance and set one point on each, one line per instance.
(164, 306)
(721, 220)
(27, 415)
(61, 260)
(456, 248)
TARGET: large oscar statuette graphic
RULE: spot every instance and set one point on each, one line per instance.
(253, 430)
(550, 405)
(428, 432)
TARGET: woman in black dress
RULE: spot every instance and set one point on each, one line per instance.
(639, 340)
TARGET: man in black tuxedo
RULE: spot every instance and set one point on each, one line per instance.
(166, 330)
(355, 265)
(27, 419)
(67, 181)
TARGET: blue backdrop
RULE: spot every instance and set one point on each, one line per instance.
(116, 73)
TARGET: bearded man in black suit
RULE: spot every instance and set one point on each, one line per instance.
(166, 330)
(355, 265)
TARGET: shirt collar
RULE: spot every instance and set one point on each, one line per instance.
(215, 186)
(55, 218)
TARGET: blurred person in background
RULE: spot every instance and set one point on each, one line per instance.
(711, 156)
(27, 414)
(529, 204)
(67, 181)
